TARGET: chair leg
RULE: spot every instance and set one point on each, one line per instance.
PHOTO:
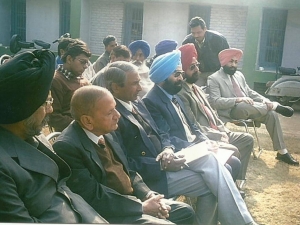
(256, 156)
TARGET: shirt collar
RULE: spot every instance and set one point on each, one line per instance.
(128, 106)
(94, 138)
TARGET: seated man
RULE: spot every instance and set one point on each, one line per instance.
(140, 51)
(109, 42)
(32, 177)
(233, 99)
(162, 47)
(100, 172)
(199, 111)
(67, 78)
(118, 53)
(148, 151)
(61, 49)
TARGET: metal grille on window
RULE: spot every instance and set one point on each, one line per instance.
(272, 38)
(18, 18)
(133, 28)
(64, 16)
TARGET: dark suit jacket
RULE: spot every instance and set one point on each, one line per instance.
(89, 178)
(167, 119)
(33, 186)
(140, 151)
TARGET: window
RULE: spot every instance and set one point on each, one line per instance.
(18, 18)
(64, 16)
(202, 11)
(133, 27)
(272, 38)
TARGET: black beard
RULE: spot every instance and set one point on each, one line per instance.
(229, 70)
(192, 79)
(172, 88)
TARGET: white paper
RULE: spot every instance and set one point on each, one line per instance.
(199, 150)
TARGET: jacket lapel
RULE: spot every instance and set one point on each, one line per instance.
(29, 157)
(170, 107)
(89, 146)
(127, 115)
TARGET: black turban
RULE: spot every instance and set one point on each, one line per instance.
(25, 81)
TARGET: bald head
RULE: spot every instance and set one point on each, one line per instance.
(84, 100)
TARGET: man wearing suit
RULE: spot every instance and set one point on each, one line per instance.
(100, 171)
(233, 99)
(199, 110)
(32, 177)
(150, 152)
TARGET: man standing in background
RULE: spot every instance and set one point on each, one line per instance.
(208, 44)
(109, 42)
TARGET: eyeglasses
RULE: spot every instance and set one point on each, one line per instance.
(48, 102)
(193, 67)
(83, 61)
(178, 73)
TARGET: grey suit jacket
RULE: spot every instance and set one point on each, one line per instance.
(221, 93)
(196, 113)
(33, 189)
(88, 177)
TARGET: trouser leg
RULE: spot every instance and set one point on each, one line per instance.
(180, 213)
(244, 142)
(207, 176)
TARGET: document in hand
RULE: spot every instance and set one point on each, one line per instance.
(199, 150)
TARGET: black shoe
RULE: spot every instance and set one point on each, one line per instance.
(287, 158)
(284, 110)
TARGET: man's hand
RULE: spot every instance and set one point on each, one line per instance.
(245, 99)
(166, 154)
(155, 207)
(224, 137)
(169, 161)
(212, 146)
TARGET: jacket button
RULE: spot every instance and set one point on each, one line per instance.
(143, 153)
(135, 137)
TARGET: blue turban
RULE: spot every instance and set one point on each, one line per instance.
(164, 65)
(165, 46)
(140, 44)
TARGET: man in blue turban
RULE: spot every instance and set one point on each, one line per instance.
(140, 51)
(204, 177)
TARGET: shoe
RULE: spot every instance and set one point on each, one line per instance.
(284, 110)
(287, 158)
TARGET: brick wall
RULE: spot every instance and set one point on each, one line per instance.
(106, 18)
(231, 22)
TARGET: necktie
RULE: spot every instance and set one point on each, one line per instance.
(174, 100)
(237, 90)
(101, 142)
(188, 131)
(207, 111)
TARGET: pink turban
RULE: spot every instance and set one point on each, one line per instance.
(188, 51)
(227, 54)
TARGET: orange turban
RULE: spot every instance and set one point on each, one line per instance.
(188, 51)
(227, 54)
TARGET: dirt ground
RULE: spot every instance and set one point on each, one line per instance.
(272, 187)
